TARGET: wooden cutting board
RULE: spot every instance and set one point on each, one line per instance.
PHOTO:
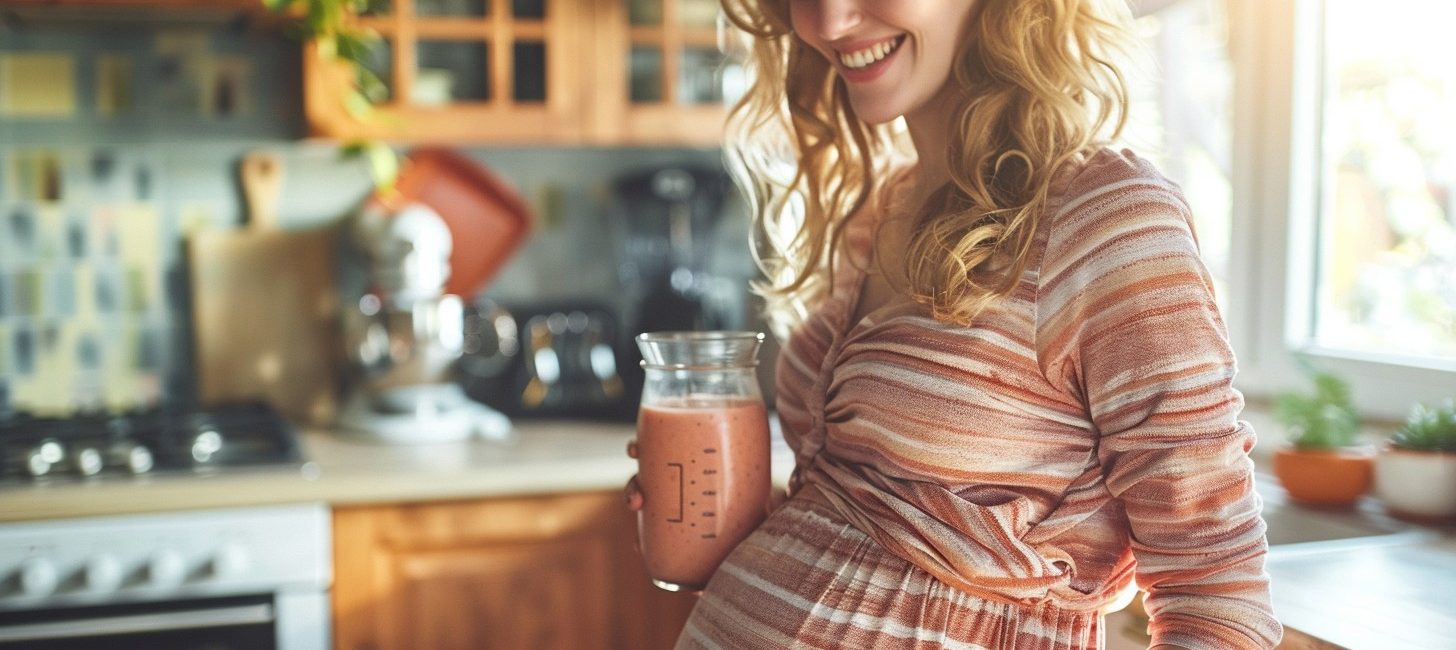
(264, 307)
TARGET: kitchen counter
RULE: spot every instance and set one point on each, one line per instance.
(1356, 578)
(547, 456)
(1396, 593)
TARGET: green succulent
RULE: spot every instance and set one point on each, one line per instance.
(1325, 419)
(1429, 428)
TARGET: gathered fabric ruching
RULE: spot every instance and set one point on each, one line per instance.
(1003, 484)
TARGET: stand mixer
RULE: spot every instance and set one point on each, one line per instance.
(404, 335)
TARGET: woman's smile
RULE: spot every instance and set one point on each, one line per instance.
(862, 62)
(894, 56)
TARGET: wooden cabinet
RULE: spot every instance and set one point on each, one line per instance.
(661, 73)
(215, 5)
(554, 571)
(500, 71)
(579, 72)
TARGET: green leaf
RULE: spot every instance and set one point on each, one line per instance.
(1429, 428)
(328, 47)
(1331, 389)
(1322, 420)
(371, 86)
(325, 22)
(318, 21)
(353, 149)
(358, 106)
(355, 46)
(383, 164)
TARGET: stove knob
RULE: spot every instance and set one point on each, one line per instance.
(37, 577)
(51, 450)
(205, 445)
(231, 561)
(166, 569)
(41, 457)
(87, 461)
(36, 465)
(136, 458)
(103, 574)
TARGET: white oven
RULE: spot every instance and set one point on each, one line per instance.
(252, 578)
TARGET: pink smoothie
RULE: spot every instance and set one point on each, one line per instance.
(704, 471)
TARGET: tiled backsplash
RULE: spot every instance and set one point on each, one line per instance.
(130, 139)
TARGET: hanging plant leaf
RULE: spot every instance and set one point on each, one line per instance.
(327, 23)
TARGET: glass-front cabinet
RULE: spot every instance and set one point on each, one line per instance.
(453, 71)
(666, 78)
(593, 72)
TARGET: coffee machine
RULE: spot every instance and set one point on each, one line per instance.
(683, 262)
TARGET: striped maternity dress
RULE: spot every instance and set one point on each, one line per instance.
(1002, 485)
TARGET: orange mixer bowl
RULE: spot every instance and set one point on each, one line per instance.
(487, 218)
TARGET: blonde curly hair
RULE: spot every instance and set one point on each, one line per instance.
(1043, 90)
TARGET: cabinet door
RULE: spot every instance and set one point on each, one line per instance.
(664, 78)
(532, 595)
(531, 572)
(459, 71)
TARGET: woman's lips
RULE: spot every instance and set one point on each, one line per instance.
(872, 71)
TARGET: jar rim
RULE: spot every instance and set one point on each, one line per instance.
(720, 335)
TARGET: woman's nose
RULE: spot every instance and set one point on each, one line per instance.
(833, 19)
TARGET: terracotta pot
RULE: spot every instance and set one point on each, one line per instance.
(1417, 485)
(1325, 477)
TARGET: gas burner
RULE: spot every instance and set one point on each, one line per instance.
(158, 440)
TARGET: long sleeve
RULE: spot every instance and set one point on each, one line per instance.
(1128, 322)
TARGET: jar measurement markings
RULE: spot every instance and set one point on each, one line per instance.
(681, 492)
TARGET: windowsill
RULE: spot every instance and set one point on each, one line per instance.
(1259, 413)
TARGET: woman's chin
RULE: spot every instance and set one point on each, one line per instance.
(876, 115)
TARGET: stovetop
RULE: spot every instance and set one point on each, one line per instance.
(145, 442)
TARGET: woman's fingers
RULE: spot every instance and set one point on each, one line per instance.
(633, 494)
(776, 498)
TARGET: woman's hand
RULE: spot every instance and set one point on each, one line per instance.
(633, 491)
(776, 498)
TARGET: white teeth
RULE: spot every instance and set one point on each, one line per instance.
(871, 54)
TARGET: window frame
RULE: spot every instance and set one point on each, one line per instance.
(1275, 48)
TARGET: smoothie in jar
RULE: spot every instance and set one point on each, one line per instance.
(704, 473)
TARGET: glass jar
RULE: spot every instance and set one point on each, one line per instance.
(702, 452)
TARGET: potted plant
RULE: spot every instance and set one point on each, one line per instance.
(1322, 466)
(330, 24)
(1415, 473)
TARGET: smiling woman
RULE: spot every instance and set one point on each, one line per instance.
(1004, 377)
(893, 56)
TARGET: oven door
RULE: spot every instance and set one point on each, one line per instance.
(238, 623)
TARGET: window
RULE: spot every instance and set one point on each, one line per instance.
(1385, 260)
(1180, 117)
(1342, 197)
